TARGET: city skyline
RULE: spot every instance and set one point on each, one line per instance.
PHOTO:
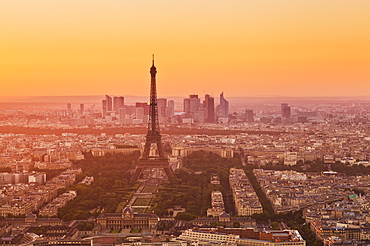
(264, 48)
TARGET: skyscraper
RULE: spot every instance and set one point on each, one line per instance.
(104, 106)
(140, 113)
(122, 116)
(209, 109)
(69, 109)
(223, 108)
(118, 102)
(109, 103)
(285, 110)
(162, 107)
(170, 108)
(191, 104)
(145, 106)
(82, 108)
(249, 117)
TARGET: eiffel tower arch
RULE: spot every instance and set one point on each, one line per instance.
(153, 137)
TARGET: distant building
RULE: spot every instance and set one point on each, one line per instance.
(225, 220)
(145, 106)
(162, 107)
(192, 109)
(118, 102)
(109, 103)
(215, 180)
(245, 198)
(32, 220)
(290, 158)
(191, 104)
(39, 178)
(122, 116)
(285, 110)
(217, 203)
(204, 235)
(223, 108)
(247, 237)
(252, 237)
(69, 109)
(140, 113)
(170, 108)
(82, 108)
(249, 116)
(104, 107)
(209, 109)
(223, 152)
(102, 152)
(24, 177)
(128, 219)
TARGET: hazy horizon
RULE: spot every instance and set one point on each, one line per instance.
(130, 100)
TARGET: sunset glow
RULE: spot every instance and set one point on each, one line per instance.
(244, 48)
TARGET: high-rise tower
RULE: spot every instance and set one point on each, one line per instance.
(223, 107)
(285, 110)
(109, 103)
(159, 161)
(118, 102)
(209, 109)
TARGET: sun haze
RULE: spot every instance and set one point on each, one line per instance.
(241, 47)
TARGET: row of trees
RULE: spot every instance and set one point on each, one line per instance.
(111, 174)
(192, 188)
(85, 226)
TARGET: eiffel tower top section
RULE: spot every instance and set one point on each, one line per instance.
(153, 126)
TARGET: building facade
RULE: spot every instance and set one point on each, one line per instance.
(128, 219)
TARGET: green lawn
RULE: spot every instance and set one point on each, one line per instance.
(142, 202)
(150, 189)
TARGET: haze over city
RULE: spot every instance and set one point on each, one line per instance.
(244, 48)
(249, 126)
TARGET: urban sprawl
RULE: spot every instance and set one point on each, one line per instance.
(305, 158)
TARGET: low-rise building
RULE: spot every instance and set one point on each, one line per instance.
(128, 219)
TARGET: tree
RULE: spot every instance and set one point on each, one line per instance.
(81, 226)
(236, 224)
(185, 216)
(275, 225)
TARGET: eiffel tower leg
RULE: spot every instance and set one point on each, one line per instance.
(160, 148)
(146, 149)
(168, 172)
(138, 172)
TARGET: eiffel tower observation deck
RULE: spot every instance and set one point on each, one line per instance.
(153, 137)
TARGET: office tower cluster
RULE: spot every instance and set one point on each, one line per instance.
(77, 115)
(196, 111)
(115, 111)
(192, 110)
(112, 105)
(114, 108)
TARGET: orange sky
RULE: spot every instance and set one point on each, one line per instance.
(241, 47)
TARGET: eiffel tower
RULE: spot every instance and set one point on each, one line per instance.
(153, 137)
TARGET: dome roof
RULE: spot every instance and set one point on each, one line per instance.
(128, 210)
